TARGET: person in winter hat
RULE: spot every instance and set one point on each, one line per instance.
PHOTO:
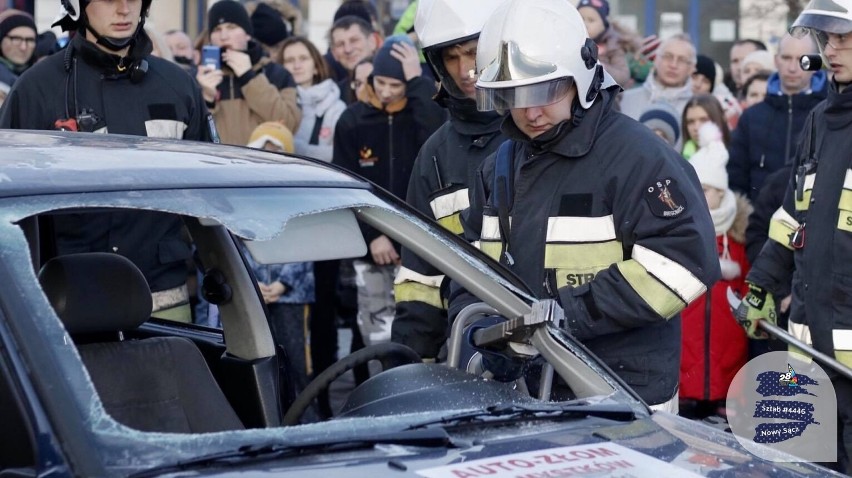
(725, 351)
(663, 120)
(611, 53)
(272, 136)
(17, 47)
(269, 30)
(249, 88)
(378, 137)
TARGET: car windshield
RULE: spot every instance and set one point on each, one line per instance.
(258, 217)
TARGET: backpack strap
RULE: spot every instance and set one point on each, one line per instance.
(502, 195)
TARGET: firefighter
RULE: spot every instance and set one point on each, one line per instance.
(810, 235)
(586, 205)
(448, 31)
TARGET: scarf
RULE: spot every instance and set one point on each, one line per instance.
(724, 215)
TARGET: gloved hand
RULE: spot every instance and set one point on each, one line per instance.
(757, 305)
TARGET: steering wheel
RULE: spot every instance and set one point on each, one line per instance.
(389, 354)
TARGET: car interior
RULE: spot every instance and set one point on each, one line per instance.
(162, 376)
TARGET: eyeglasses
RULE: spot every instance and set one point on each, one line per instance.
(18, 41)
(679, 60)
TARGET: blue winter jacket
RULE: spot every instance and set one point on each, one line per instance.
(767, 134)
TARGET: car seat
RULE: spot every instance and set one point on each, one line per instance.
(159, 384)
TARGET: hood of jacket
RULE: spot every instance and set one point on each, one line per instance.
(319, 97)
(368, 95)
(744, 210)
(807, 99)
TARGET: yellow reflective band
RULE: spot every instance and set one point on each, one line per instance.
(580, 229)
(448, 204)
(844, 221)
(490, 228)
(452, 223)
(844, 357)
(582, 257)
(781, 227)
(662, 300)
(845, 200)
(806, 357)
(417, 292)
(800, 331)
(673, 275)
(842, 339)
(806, 197)
(491, 249)
(407, 275)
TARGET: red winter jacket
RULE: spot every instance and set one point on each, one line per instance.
(714, 350)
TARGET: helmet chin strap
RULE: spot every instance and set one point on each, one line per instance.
(115, 44)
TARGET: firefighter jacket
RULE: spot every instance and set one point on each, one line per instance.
(98, 88)
(609, 220)
(445, 166)
(811, 234)
(381, 142)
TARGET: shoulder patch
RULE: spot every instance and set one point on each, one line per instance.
(665, 199)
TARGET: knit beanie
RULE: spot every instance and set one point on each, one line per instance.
(706, 67)
(273, 132)
(762, 57)
(356, 8)
(711, 158)
(386, 65)
(269, 28)
(228, 11)
(602, 7)
(662, 117)
(11, 19)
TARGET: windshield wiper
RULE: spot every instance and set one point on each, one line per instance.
(436, 437)
(500, 413)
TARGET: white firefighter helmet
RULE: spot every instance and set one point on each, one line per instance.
(69, 13)
(821, 17)
(531, 52)
(444, 23)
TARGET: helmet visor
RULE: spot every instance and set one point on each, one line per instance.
(526, 96)
(813, 22)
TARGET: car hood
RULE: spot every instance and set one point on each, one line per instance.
(662, 445)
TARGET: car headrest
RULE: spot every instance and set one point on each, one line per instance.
(96, 292)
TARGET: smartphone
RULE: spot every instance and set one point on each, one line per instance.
(211, 55)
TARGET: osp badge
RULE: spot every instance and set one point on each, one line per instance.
(665, 199)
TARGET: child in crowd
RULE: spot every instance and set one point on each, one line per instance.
(714, 345)
(699, 110)
(662, 119)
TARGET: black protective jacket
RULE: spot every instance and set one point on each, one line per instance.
(443, 171)
(164, 103)
(381, 142)
(811, 234)
(611, 222)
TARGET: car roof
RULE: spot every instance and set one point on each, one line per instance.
(55, 162)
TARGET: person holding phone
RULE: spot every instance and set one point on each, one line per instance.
(242, 86)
